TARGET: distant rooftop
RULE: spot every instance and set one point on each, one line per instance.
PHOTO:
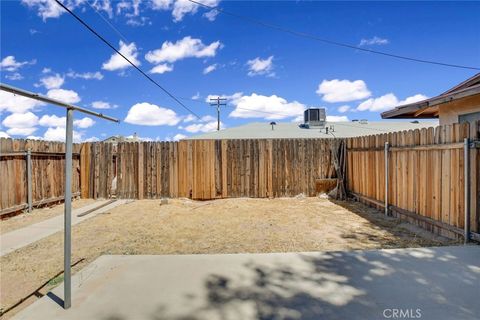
(289, 130)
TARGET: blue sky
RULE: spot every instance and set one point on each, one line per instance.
(265, 74)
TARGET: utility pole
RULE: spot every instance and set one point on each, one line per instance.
(218, 102)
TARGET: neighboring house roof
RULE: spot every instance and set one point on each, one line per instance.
(119, 138)
(289, 130)
(429, 108)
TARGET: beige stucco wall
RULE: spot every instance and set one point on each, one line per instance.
(448, 113)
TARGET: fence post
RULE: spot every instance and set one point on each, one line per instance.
(29, 179)
(386, 178)
(466, 166)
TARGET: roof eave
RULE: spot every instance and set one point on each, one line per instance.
(405, 110)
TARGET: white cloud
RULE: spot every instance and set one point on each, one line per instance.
(412, 99)
(151, 115)
(46, 70)
(104, 5)
(21, 124)
(34, 138)
(116, 62)
(384, 102)
(48, 8)
(91, 139)
(162, 68)
(342, 90)
(130, 9)
(84, 123)
(192, 118)
(260, 66)
(14, 76)
(211, 15)
(103, 105)
(181, 7)
(54, 121)
(176, 137)
(86, 75)
(58, 134)
(20, 120)
(138, 21)
(343, 109)
(161, 4)
(4, 134)
(52, 82)
(233, 98)
(267, 107)
(210, 68)
(10, 64)
(204, 127)
(17, 104)
(196, 96)
(373, 41)
(337, 118)
(387, 101)
(189, 118)
(67, 96)
(207, 118)
(298, 118)
(21, 131)
(179, 136)
(187, 47)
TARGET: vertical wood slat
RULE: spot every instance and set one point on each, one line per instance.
(428, 182)
(47, 171)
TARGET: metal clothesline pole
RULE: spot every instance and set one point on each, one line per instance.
(67, 252)
(466, 167)
(36, 96)
(386, 177)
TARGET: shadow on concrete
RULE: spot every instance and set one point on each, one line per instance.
(56, 299)
(336, 285)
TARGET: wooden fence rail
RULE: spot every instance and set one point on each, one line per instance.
(48, 171)
(426, 174)
(426, 171)
(206, 169)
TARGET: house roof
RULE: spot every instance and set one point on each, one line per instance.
(289, 130)
(429, 108)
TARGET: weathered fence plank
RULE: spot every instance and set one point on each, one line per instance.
(426, 173)
(48, 172)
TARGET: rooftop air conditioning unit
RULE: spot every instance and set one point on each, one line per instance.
(314, 117)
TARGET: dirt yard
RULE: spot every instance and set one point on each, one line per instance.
(220, 226)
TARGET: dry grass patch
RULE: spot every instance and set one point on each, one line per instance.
(220, 226)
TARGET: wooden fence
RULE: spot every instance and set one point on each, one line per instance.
(426, 171)
(206, 169)
(425, 174)
(48, 172)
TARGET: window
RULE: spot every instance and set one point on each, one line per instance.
(469, 117)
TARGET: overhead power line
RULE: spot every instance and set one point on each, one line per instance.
(126, 59)
(327, 41)
(108, 22)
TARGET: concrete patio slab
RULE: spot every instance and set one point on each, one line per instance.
(22, 237)
(427, 283)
